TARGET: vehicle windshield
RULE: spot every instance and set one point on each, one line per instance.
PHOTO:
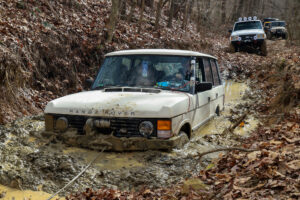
(151, 71)
(277, 24)
(247, 25)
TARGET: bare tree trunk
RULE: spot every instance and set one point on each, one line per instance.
(190, 9)
(198, 16)
(110, 26)
(133, 5)
(123, 9)
(171, 13)
(141, 15)
(234, 11)
(158, 13)
(185, 15)
(223, 11)
(150, 3)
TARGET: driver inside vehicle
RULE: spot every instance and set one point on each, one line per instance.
(144, 74)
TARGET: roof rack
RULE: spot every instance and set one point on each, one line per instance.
(247, 19)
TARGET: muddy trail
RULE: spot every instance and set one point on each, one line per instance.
(30, 162)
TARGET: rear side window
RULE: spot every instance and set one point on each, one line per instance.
(207, 70)
(215, 72)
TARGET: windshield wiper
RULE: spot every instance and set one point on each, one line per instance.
(106, 86)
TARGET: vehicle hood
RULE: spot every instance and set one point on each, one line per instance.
(278, 28)
(247, 32)
(165, 104)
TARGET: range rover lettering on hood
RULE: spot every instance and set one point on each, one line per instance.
(103, 111)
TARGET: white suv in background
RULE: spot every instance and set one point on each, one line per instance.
(248, 34)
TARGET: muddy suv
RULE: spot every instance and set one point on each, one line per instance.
(248, 34)
(140, 99)
(276, 29)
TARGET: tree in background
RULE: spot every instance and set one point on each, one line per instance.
(142, 8)
(133, 5)
(171, 13)
(113, 17)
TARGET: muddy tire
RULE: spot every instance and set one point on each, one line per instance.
(263, 49)
(269, 36)
(218, 111)
(231, 48)
(183, 141)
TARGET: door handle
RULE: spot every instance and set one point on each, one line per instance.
(217, 95)
(208, 99)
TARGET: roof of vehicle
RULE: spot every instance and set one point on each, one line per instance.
(159, 52)
(277, 21)
(248, 21)
(270, 19)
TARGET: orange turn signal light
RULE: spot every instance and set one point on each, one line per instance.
(163, 125)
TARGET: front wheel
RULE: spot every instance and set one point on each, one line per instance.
(269, 35)
(232, 48)
(284, 36)
(183, 140)
(263, 49)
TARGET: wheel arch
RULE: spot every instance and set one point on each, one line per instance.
(187, 128)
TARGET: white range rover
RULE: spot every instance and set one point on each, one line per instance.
(140, 99)
(248, 34)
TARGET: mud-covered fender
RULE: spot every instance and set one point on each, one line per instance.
(180, 121)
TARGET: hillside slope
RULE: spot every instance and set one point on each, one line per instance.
(48, 48)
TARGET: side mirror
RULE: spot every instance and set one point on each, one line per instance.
(204, 86)
(89, 82)
(230, 31)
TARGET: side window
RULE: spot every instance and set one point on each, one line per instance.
(207, 70)
(198, 73)
(200, 70)
(215, 72)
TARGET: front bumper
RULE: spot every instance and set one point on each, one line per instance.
(250, 42)
(112, 143)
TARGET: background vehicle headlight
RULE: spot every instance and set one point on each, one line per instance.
(146, 128)
(61, 124)
(260, 36)
(234, 38)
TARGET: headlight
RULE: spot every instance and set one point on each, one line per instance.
(146, 128)
(260, 36)
(61, 124)
(234, 38)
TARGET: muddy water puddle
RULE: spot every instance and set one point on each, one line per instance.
(37, 164)
(108, 160)
(233, 95)
(8, 193)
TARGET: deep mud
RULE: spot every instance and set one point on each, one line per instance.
(29, 161)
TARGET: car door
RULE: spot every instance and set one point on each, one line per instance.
(217, 98)
(202, 99)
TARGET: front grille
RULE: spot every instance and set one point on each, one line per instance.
(247, 37)
(121, 127)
